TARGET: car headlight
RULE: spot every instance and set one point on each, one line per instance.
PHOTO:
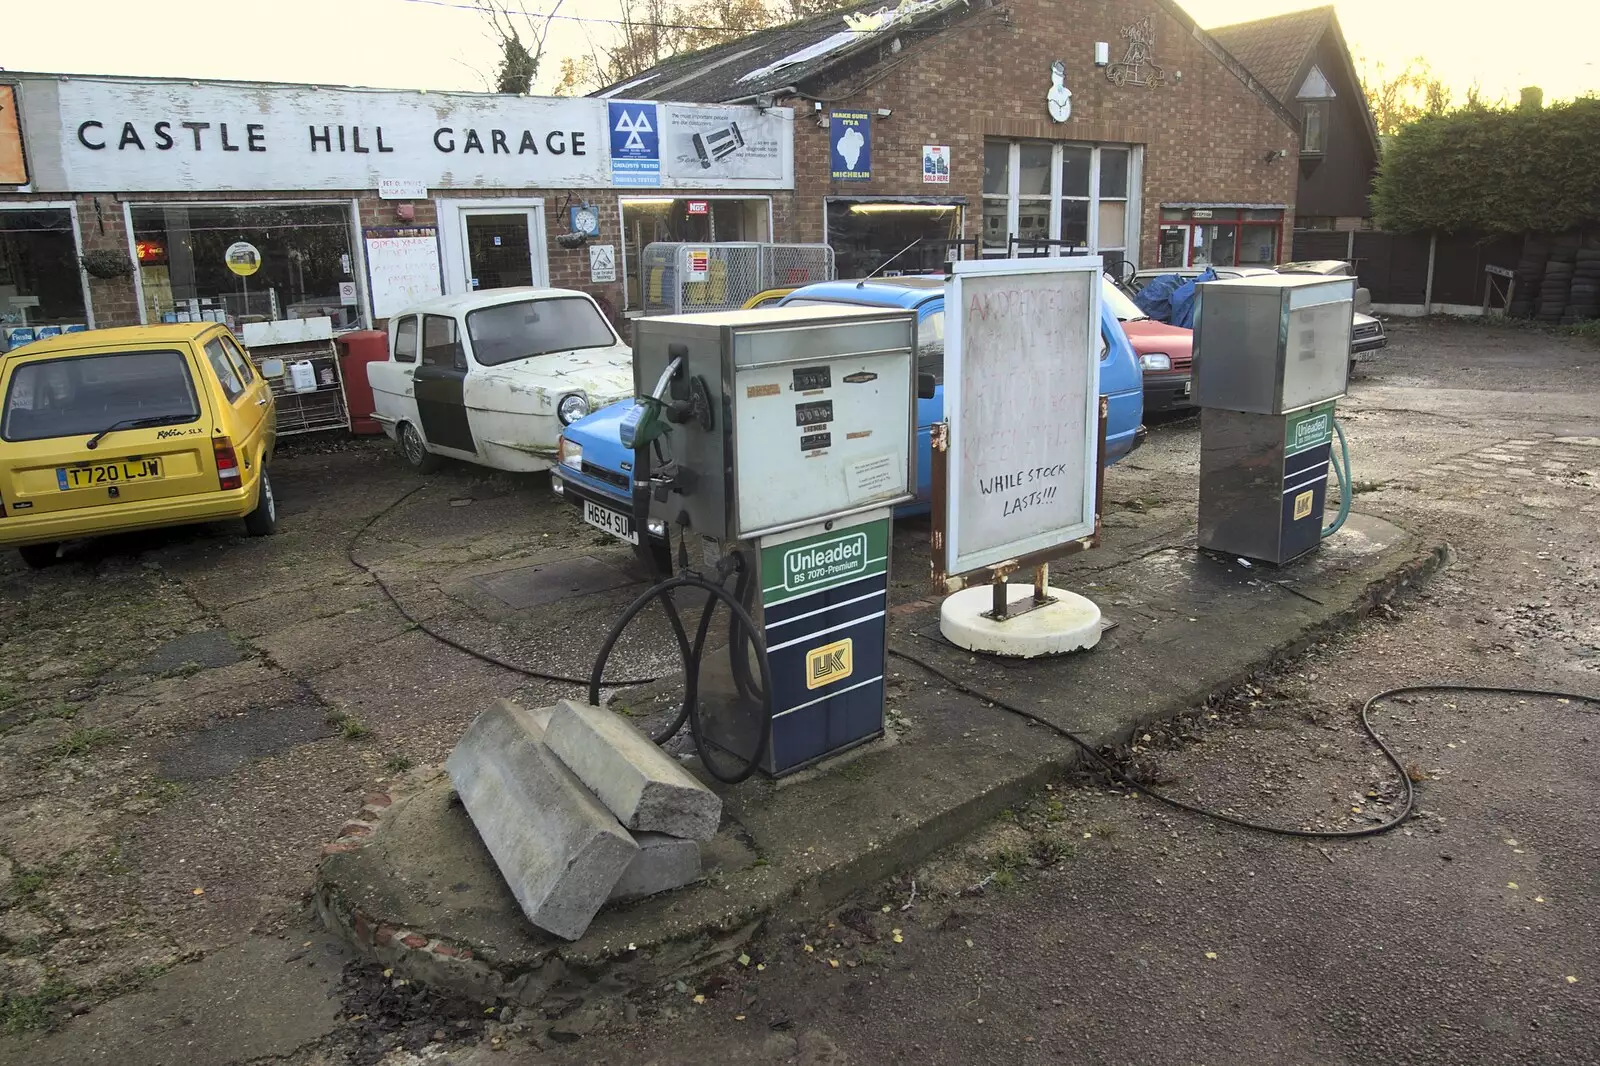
(573, 406)
(1156, 361)
(569, 453)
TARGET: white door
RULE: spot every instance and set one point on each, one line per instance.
(493, 244)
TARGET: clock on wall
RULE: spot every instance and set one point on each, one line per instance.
(584, 219)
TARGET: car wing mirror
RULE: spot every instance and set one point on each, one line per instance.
(926, 384)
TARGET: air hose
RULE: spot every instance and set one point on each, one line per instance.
(1346, 485)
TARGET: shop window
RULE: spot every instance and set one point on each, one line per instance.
(1313, 127)
(40, 281)
(648, 219)
(916, 235)
(1064, 198)
(302, 250)
(1220, 237)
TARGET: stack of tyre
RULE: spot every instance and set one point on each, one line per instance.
(1556, 288)
(1584, 297)
(1529, 276)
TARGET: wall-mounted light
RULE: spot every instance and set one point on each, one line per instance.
(648, 201)
(1275, 154)
(1102, 54)
(885, 112)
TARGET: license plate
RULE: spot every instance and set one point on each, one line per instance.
(616, 523)
(84, 477)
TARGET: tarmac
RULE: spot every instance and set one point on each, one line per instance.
(413, 887)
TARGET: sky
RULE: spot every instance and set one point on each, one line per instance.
(444, 44)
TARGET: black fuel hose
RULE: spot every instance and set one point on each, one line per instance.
(1410, 795)
(691, 664)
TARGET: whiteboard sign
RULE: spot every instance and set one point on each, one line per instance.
(1022, 397)
(402, 268)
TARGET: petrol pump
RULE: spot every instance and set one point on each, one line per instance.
(774, 444)
(1272, 357)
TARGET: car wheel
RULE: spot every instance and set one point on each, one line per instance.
(263, 521)
(38, 556)
(414, 450)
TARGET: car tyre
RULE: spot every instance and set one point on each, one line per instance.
(414, 450)
(39, 556)
(263, 521)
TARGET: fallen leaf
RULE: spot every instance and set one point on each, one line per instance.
(699, 999)
(1449, 745)
(886, 908)
(1211, 954)
(969, 943)
(1511, 843)
(738, 1017)
(199, 891)
(1571, 980)
(682, 988)
(1538, 899)
(744, 960)
(1511, 884)
(834, 963)
(388, 973)
(761, 966)
(809, 949)
(898, 939)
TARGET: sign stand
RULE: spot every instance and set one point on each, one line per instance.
(1017, 479)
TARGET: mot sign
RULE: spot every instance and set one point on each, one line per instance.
(1022, 399)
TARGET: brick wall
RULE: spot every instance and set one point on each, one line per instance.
(1206, 134)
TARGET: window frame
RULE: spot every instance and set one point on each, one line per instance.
(458, 360)
(416, 339)
(1320, 107)
(247, 370)
(71, 208)
(352, 215)
(1095, 242)
(235, 394)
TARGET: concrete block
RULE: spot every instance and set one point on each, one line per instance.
(663, 863)
(642, 785)
(558, 848)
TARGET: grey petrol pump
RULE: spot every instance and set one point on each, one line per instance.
(1272, 357)
(774, 444)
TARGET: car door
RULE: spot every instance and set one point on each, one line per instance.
(393, 390)
(254, 413)
(440, 386)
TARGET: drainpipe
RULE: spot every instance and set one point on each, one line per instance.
(1427, 293)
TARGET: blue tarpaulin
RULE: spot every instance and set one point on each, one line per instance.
(1183, 300)
(1170, 298)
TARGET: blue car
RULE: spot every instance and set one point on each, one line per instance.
(594, 469)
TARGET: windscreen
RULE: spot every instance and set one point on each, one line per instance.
(88, 393)
(507, 332)
(1121, 303)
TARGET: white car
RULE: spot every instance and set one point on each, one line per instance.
(492, 377)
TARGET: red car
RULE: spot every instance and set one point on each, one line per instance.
(1165, 353)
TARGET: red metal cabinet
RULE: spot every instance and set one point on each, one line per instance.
(356, 350)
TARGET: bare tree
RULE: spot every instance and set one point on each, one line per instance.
(510, 22)
(1400, 98)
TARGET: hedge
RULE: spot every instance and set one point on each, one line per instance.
(1493, 171)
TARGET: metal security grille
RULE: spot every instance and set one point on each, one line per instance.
(676, 278)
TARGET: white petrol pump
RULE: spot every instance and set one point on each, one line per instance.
(774, 444)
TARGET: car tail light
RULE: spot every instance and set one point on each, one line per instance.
(227, 463)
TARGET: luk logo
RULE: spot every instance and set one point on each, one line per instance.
(1302, 504)
(824, 562)
(829, 663)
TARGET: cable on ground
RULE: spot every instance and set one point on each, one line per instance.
(483, 656)
(1398, 820)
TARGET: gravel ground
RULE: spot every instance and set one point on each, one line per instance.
(184, 718)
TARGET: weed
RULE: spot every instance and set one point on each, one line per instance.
(8, 696)
(27, 882)
(1416, 772)
(83, 741)
(1047, 851)
(872, 957)
(352, 729)
(398, 764)
(161, 790)
(1008, 859)
(1004, 879)
(18, 1014)
(63, 710)
(1105, 830)
(335, 717)
(186, 669)
(1008, 815)
(623, 709)
(856, 771)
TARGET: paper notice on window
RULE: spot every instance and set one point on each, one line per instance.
(879, 475)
